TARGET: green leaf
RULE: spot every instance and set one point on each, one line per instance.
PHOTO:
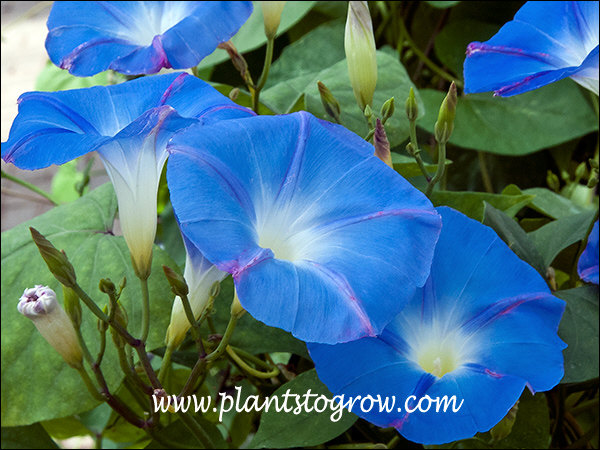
(442, 4)
(84, 230)
(53, 78)
(473, 203)
(252, 35)
(530, 430)
(250, 334)
(64, 181)
(579, 329)
(30, 436)
(516, 125)
(451, 43)
(532, 425)
(407, 166)
(552, 204)
(300, 64)
(552, 238)
(392, 81)
(284, 430)
(515, 237)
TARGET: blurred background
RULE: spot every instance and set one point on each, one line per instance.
(23, 58)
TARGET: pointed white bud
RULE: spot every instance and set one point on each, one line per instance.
(359, 44)
(272, 16)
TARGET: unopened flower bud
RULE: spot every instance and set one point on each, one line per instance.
(552, 181)
(580, 171)
(177, 282)
(330, 103)
(445, 123)
(202, 279)
(234, 94)
(272, 16)
(238, 60)
(387, 110)
(57, 261)
(382, 145)
(412, 108)
(593, 180)
(107, 286)
(39, 304)
(359, 44)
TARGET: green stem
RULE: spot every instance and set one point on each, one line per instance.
(416, 151)
(485, 174)
(145, 309)
(29, 186)
(429, 63)
(264, 75)
(203, 363)
(137, 344)
(441, 168)
(165, 366)
(89, 384)
(274, 371)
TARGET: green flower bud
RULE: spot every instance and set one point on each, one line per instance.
(39, 304)
(412, 108)
(359, 44)
(387, 110)
(331, 105)
(57, 261)
(552, 181)
(445, 123)
(271, 16)
(107, 286)
(580, 171)
(177, 282)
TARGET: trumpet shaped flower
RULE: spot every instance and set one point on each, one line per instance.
(546, 42)
(135, 37)
(588, 261)
(483, 327)
(317, 232)
(129, 125)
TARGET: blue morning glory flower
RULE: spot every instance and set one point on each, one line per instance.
(317, 232)
(544, 43)
(129, 125)
(587, 267)
(483, 327)
(135, 37)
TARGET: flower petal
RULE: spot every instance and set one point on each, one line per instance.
(56, 127)
(482, 328)
(587, 267)
(296, 189)
(546, 41)
(139, 37)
